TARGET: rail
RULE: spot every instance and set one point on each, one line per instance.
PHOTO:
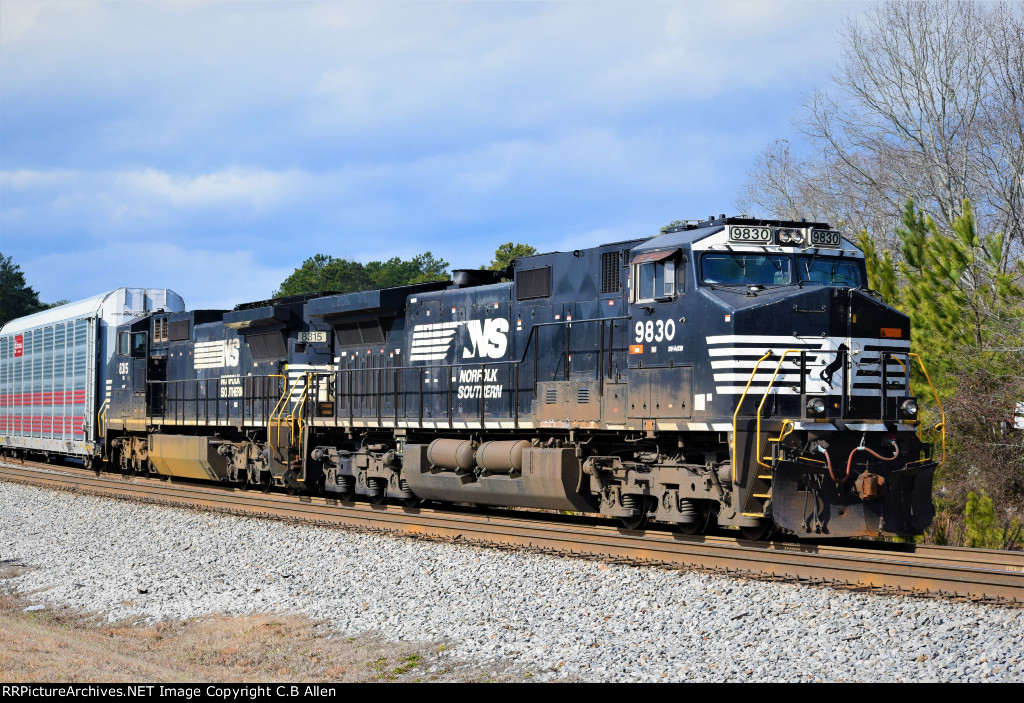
(941, 571)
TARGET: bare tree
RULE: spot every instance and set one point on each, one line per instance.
(775, 185)
(999, 167)
(927, 105)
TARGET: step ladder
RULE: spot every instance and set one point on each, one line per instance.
(757, 502)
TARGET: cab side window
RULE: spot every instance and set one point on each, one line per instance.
(657, 277)
(123, 343)
(138, 344)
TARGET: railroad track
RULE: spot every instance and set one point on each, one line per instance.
(950, 572)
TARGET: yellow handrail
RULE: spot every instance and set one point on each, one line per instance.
(910, 391)
(299, 406)
(764, 398)
(735, 416)
(942, 412)
(270, 420)
(102, 416)
(760, 407)
(910, 385)
(783, 434)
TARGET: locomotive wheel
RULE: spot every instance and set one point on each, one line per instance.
(413, 500)
(759, 533)
(637, 522)
(379, 488)
(634, 522)
(346, 489)
(699, 527)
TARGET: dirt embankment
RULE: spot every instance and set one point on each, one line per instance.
(59, 645)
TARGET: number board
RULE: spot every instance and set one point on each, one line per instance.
(754, 235)
(826, 238)
(312, 337)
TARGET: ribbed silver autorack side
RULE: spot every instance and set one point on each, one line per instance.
(53, 369)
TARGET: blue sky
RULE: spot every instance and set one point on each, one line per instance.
(210, 147)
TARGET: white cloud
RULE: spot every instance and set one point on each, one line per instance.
(455, 204)
(369, 130)
(135, 198)
(205, 278)
(17, 21)
(257, 189)
(349, 68)
(602, 235)
(29, 179)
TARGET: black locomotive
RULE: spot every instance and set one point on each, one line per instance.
(730, 372)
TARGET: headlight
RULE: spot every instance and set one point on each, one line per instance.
(909, 407)
(816, 406)
(790, 236)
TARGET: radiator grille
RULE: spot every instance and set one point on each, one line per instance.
(535, 283)
(178, 330)
(610, 265)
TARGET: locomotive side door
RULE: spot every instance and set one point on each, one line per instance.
(659, 385)
(613, 334)
(139, 353)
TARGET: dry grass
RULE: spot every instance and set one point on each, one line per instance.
(62, 645)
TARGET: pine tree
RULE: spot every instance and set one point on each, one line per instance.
(962, 305)
(17, 298)
(322, 272)
(509, 252)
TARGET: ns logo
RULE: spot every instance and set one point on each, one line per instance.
(483, 339)
(487, 338)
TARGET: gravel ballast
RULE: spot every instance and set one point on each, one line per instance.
(550, 616)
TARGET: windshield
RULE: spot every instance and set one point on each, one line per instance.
(746, 269)
(830, 271)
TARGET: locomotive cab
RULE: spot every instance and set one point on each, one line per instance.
(804, 367)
